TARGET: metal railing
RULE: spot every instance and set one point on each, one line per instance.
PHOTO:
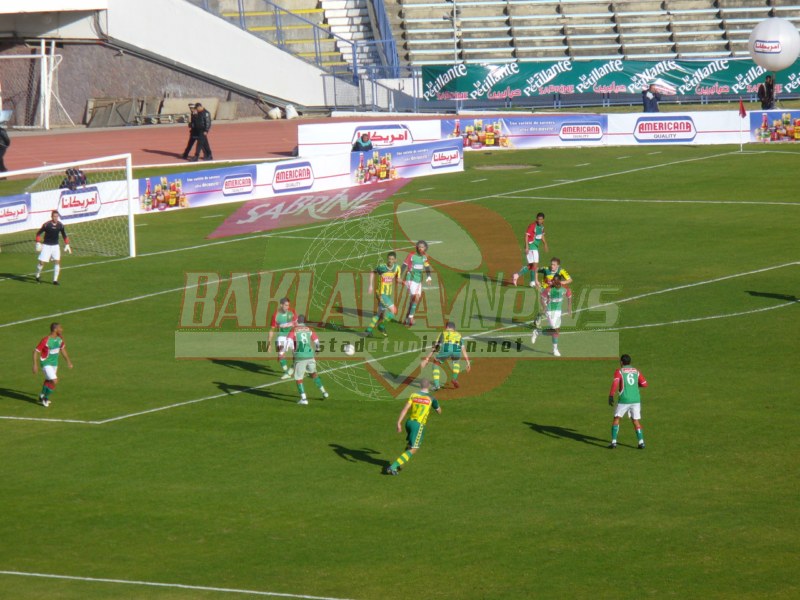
(388, 47)
(283, 21)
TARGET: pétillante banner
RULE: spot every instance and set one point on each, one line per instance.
(712, 78)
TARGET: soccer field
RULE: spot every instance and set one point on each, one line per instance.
(206, 476)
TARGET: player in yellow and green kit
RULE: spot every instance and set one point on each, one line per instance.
(388, 272)
(305, 343)
(447, 347)
(420, 405)
(283, 321)
(414, 266)
(627, 381)
(46, 354)
(547, 274)
(534, 239)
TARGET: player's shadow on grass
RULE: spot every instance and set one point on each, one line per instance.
(784, 297)
(233, 389)
(554, 431)
(243, 365)
(365, 455)
(17, 395)
(18, 277)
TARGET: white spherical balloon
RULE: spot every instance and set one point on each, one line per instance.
(774, 44)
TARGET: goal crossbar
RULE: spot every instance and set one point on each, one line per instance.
(99, 164)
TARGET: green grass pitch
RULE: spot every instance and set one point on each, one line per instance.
(513, 494)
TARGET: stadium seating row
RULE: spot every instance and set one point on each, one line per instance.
(524, 30)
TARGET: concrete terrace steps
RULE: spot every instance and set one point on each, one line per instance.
(540, 29)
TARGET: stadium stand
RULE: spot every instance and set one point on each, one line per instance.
(497, 31)
(332, 34)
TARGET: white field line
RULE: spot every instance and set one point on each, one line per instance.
(479, 180)
(359, 363)
(211, 216)
(652, 153)
(156, 294)
(583, 165)
(46, 420)
(652, 200)
(269, 384)
(769, 152)
(427, 189)
(531, 172)
(333, 239)
(676, 322)
(419, 208)
(181, 586)
(622, 157)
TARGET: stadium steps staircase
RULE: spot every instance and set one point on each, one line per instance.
(316, 30)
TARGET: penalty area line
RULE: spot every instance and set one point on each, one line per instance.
(676, 322)
(483, 333)
(501, 195)
(181, 586)
(653, 200)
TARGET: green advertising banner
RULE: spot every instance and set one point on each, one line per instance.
(713, 78)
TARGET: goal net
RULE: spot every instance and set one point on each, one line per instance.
(94, 198)
(29, 91)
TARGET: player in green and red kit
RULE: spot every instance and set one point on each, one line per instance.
(534, 239)
(627, 381)
(415, 264)
(46, 354)
(552, 299)
(548, 273)
(283, 320)
(388, 272)
(48, 248)
(305, 343)
(447, 347)
(420, 404)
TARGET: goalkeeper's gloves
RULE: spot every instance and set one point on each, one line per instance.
(67, 249)
(611, 400)
(38, 246)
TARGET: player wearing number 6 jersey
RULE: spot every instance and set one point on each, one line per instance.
(305, 343)
(627, 381)
(420, 404)
(283, 321)
(47, 245)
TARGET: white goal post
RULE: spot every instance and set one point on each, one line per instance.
(29, 97)
(95, 199)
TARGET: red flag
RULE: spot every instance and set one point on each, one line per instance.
(742, 111)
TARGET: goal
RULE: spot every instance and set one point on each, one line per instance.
(95, 200)
(29, 96)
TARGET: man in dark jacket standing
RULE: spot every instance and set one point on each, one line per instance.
(5, 142)
(650, 98)
(203, 126)
(193, 128)
(766, 93)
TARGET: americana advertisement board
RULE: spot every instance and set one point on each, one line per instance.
(321, 139)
